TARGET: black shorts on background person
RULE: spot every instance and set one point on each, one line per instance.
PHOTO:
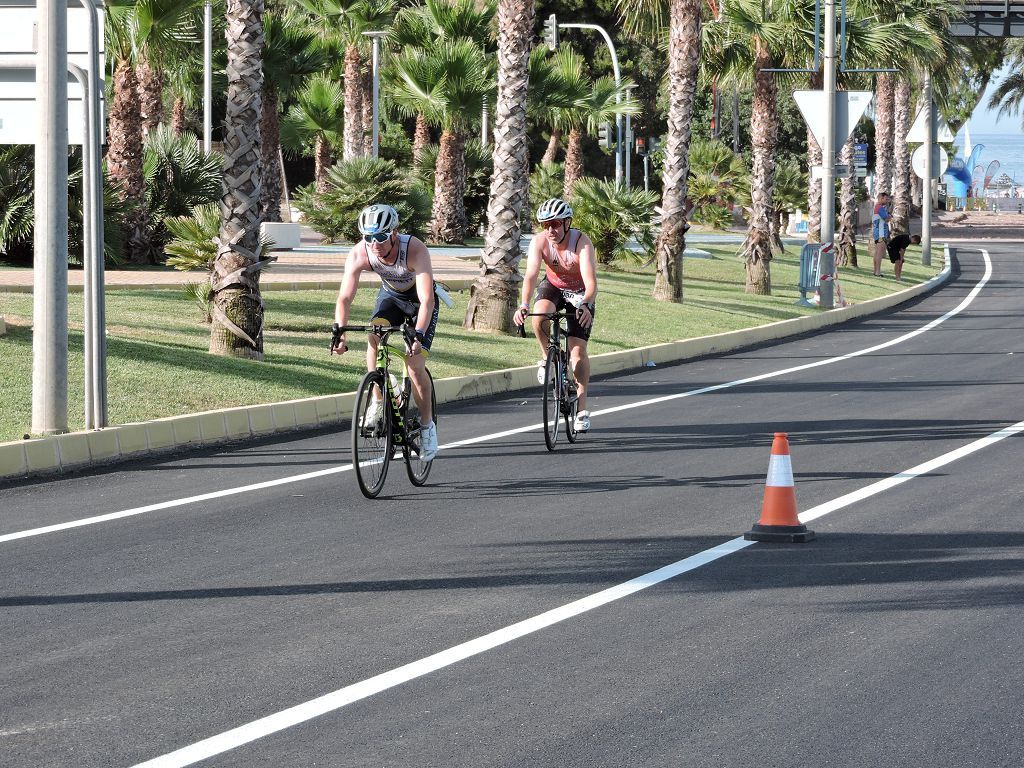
(897, 247)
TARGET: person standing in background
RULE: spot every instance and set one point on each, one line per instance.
(880, 230)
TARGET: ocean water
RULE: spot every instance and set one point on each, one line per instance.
(1007, 148)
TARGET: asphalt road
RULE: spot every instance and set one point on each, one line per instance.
(404, 631)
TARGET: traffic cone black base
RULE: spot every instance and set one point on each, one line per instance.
(788, 534)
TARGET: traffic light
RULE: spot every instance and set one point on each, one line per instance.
(641, 145)
(604, 135)
(551, 32)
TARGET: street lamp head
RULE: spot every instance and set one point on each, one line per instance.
(375, 34)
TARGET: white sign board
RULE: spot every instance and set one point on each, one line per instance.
(18, 115)
(918, 133)
(940, 162)
(850, 106)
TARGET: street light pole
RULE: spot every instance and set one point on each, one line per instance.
(929, 171)
(375, 139)
(629, 143)
(828, 164)
(618, 94)
(50, 303)
(207, 77)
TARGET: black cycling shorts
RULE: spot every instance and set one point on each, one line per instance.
(396, 307)
(557, 296)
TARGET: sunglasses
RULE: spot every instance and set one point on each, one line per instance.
(380, 237)
(552, 224)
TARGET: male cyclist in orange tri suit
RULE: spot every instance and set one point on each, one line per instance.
(407, 290)
(570, 282)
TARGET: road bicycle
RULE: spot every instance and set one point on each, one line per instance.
(376, 438)
(560, 397)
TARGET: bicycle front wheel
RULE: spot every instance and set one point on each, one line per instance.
(417, 468)
(372, 439)
(552, 399)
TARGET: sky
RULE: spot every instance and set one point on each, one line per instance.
(984, 120)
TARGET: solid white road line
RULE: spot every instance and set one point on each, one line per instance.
(506, 433)
(330, 702)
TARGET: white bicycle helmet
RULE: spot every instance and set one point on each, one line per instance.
(377, 218)
(553, 209)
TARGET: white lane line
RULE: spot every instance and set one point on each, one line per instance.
(506, 433)
(335, 700)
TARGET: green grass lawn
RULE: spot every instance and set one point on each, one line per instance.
(158, 364)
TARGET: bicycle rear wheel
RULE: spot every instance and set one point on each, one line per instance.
(372, 440)
(416, 468)
(552, 390)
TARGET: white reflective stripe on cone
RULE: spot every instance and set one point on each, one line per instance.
(780, 472)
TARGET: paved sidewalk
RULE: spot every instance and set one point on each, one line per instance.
(311, 265)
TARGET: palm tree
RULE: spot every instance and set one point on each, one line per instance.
(751, 38)
(124, 131)
(603, 101)
(237, 329)
(495, 291)
(163, 30)
(684, 49)
(557, 84)
(316, 120)
(1009, 94)
(419, 26)
(447, 84)
(290, 54)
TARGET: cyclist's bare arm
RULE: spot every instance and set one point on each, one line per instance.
(533, 261)
(419, 262)
(355, 264)
(588, 271)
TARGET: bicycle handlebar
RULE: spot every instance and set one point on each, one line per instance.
(407, 328)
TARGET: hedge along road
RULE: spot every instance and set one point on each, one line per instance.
(182, 623)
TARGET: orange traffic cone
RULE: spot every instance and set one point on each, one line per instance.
(779, 521)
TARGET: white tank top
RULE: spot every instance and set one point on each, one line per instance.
(398, 277)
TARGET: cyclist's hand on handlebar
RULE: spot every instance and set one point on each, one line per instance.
(519, 318)
(338, 346)
(585, 314)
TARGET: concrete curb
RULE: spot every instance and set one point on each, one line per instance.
(61, 453)
(459, 284)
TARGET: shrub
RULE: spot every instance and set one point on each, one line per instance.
(611, 214)
(355, 184)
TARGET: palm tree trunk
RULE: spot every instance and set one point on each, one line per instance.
(764, 130)
(353, 105)
(551, 153)
(367, 113)
(151, 96)
(270, 135)
(846, 237)
(495, 292)
(883, 132)
(179, 117)
(237, 306)
(573, 161)
(814, 159)
(448, 218)
(420, 139)
(124, 157)
(901, 158)
(322, 162)
(683, 60)
(776, 223)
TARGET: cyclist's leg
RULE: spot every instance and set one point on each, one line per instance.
(579, 361)
(417, 365)
(546, 298)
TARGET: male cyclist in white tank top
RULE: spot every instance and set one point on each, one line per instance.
(570, 280)
(407, 290)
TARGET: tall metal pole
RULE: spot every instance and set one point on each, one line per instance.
(375, 136)
(828, 155)
(929, 172)
(207, 76)
(50, 302)
(98, 307)
(618, 94)
(88, 246)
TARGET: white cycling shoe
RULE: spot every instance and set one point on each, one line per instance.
(373, 414)
(582, 421)
(541, 365)
(428, 442)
